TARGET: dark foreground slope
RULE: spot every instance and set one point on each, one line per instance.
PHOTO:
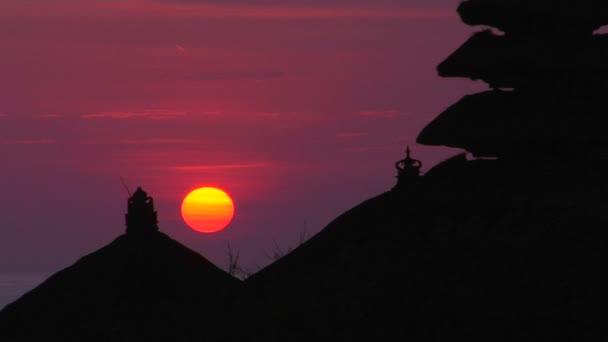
(140, 287)
(485, 249)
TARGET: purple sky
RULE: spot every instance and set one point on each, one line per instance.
(298, 109)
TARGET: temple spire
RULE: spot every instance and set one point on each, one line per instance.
(141, 217)
(408, 169)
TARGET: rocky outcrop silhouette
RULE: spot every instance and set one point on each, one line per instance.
(144, 286)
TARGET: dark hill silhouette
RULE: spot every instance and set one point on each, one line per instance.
(507, 248)
(143, 286)
(476, 250)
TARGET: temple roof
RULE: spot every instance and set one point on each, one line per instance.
(508, 62)
(497, 123)
(141, 216)
(408, 169)
(538, 16)
(143, 287)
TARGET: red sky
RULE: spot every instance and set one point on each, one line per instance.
(298, 109)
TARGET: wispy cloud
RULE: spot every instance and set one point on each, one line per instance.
(157, 141)
(182, 51)
(48, 116)
(213, 113)
(216, 9)
(153, 114)
(204, 168)
(365, 149)
(309, 9)
(405, 138)
(385, 114)
(352, 134)
(27, 142)
(235, 75)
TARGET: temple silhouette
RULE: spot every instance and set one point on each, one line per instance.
(548, 74)
(505, 243)
(143, 286)
(141, 216)
(408, 171)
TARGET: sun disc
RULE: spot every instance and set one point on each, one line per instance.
(207, 209)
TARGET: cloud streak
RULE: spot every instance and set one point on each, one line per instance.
(365, 149)
(236, 75)
(206, 168)
(182, 51)
(48, 116)
(237, 9)
(352, 134)
(153, 114)
(169, 141)
(384, 114)
(28, 142)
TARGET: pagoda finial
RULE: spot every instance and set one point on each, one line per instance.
(408, 169)
(141, 217)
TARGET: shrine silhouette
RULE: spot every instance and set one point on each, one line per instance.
(141, 216)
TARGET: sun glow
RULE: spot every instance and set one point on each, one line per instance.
(207, 210)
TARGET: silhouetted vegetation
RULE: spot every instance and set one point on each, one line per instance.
(236, 269)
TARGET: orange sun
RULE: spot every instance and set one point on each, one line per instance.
(207, 209)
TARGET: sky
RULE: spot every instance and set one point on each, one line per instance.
(297, 109)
